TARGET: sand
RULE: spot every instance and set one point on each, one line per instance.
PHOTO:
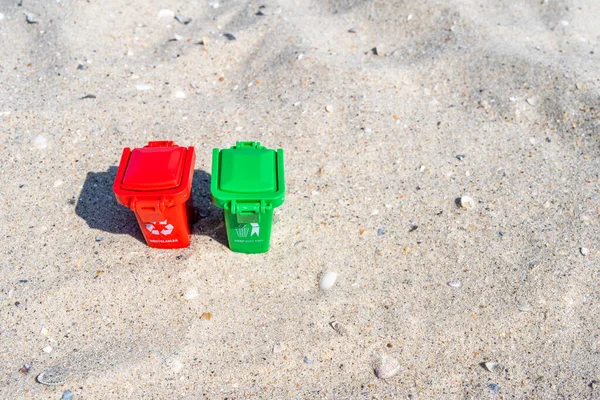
(372, 122)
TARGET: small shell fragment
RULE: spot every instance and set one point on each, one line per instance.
(191, 293)
(493, 366)
(532, 101)
(467, 202)
(47, 349)
(524, 308)
(53, 376)
(329, 108)
(339, 328)
(328, 280)
(386, 367)
(455, 284)
(206, 316)
(584, 251)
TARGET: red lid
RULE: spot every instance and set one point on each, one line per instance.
(154, 168)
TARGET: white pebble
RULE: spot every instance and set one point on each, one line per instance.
(329, 108)
(410, 16)
(191, 293)
(467, 202)
(532, 100)
(374, 212)
(512, 98)
(368, 130)
(564, 22)
(179, 94)
(47, 349)
(524, 308)
(300, 56)
(585, 251)
(57, 183)
(454, 283)
(143, 87)
(213, 4)
(166, 13)
(279, 348)
(1, 16)
(386, 367)
(328, 280)
(532, 141)
(44, 332)
(40, 142)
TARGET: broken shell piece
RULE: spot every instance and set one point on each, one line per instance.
(339, 328)
(386, 367)
(454, 284)
(279, 348)
(467, 202)
(532, 101)
(53, 376)
(493, 366)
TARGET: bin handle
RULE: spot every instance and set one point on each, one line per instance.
(149, 210)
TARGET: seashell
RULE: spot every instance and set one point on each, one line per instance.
(493, 366)
(339, 328)
(454, 284)
(524, 308)
(328, 280)
(386, 367)
(54, 376)
(467, 202)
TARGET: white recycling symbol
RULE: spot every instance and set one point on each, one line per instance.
(164, 225)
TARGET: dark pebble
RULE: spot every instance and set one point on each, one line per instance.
(380, 232)
(460, 157)
(17, 303)
(413, 228)
(229, 36)
(80, 67)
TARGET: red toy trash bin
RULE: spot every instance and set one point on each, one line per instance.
(155, 181)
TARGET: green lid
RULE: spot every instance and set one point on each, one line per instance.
(247, 172)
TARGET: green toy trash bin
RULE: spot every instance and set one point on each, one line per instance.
(247, 182)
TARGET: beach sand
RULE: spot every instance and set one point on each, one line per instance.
(372, 102)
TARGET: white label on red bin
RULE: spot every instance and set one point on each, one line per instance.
(160, 228)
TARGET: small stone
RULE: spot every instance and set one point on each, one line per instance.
(494, 388)
(191, 293)
(24, 370)
(513, 99)
(143, 87)
(353, 30)
(532, 101)
(380, 232)
(564, 22)
(229, 36)
(265, 10)
(279, 348)
(584, 251)
(182, 20)
(308, 361)
(31, 19)
(206, 316)
(467, 202)
(166, 13)
(176, 38)
(524, 308)
(1, 16)
(455, 284)
(300, 56)
(40, 142)
(493, 366)
(410, 16)
(67, 395)
(44, 332)
(47, 349)
(329, 108)
(367, 130)
(328, 280)
(213, 4)
(460, 157)
(379, 50)
(99, 238)
(386, 367)
(179, 94)
(54, 376)
(532, 141)
(57, 183)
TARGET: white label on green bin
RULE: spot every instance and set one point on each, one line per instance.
(252, 229)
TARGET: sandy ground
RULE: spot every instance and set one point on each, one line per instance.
(513, 86)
